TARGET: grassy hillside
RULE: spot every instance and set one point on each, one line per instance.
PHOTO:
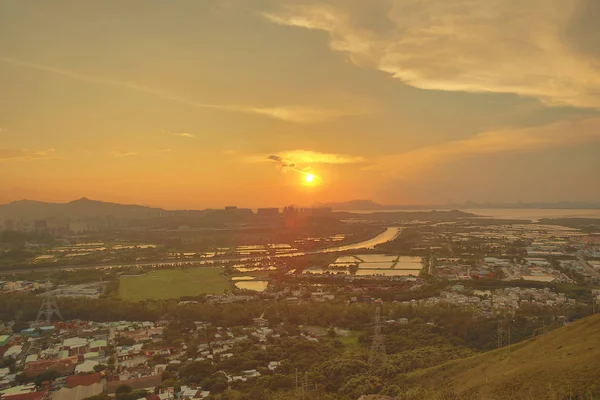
(562, 364)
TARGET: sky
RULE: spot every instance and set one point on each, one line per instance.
(207, 103)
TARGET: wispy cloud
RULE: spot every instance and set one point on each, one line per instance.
(298, 157)
(315, 157)
(413, 163)
(180, 134)
(11, 154)
(296, 114)
(502, 46)
(124, 154)
(300, 114)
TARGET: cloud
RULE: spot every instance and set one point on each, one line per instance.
(299, 114)
(296, 114)
(182, 134)
(501, 46)
(8, 154)
(297, 157)
(413, 163)
(314, 157)
(302, 160)
(124, 154)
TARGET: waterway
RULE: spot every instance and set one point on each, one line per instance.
(386, 236)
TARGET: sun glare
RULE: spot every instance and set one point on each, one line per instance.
(309, 178)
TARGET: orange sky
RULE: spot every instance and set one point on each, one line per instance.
(180, 104)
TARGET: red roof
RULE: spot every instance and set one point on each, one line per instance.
(25, 396)
(50, 364)
(82, 380)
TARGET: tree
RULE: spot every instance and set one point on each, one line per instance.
(100, 367)
(196, 371)
(280, 382)
(125, 341)
(123, 389)
(257, 393)
(19, 326)
(48, 375)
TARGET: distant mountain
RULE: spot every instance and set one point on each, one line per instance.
(82, 208)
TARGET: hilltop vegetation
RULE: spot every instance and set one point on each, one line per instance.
(562, 364)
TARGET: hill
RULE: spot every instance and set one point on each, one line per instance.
(562, 364)
(30, 210)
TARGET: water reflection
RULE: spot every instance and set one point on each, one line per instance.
(257, 286)
(389, 234)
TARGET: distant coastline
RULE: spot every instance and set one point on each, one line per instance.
(533, 214)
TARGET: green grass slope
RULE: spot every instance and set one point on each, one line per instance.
(562, 364)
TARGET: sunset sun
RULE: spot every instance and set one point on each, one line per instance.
(309, 178)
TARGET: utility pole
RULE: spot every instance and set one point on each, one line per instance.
(499, 331)
(509, 336)
(544, 325)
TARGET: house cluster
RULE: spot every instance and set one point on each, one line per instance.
(88, 358)
(22, 286)
(71, 360)
(499, 300)
(536, 269)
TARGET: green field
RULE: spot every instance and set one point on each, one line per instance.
(173, 284)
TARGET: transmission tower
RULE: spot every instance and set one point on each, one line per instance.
(48, 308)
(377, 354)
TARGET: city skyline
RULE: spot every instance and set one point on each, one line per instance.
(202, 104)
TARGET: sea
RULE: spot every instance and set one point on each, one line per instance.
(533, 214)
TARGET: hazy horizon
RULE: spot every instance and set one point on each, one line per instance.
(468, 205)
(186, 104)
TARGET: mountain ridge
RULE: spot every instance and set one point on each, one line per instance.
(79, 208)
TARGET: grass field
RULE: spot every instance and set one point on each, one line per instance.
(173, 283)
